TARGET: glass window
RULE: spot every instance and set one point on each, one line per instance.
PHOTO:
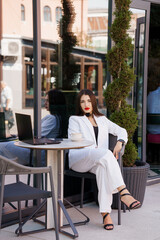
(137, 33)
(48, 72)
(22, 12)
(58, 14)
(47, 14)
(84, 67)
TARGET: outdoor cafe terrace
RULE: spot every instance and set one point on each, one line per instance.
(138, 224)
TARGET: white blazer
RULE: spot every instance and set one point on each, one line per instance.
(81, 124)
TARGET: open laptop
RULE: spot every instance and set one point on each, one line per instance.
(3, 136)
(25, 132)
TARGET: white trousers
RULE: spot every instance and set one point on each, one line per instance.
(108, 175)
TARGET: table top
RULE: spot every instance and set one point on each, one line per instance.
(64, 144)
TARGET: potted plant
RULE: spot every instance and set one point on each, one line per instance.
(135, 172)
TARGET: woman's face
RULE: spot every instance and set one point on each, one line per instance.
(46, 104)
(86, 104)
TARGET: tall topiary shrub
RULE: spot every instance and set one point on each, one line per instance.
(123, 78)
(68, 42)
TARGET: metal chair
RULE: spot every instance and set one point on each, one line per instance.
(19, 191)
(92, 176)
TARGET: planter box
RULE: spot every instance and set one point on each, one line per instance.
(135, 179)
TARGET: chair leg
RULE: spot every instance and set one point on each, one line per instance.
(1, 206)
(55, 216)
(20, 217)
(95, 190)
(18, 231)
(12, 205)
(29, 179)
(119, 210)
(57, 227)
(28, 183)
(82, 222)
(82, 192)
(1, 197)
(29, 175)
(70, 223)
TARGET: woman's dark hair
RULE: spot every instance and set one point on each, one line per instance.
(88, 92)
(57, 106)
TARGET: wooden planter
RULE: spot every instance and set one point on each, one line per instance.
(135, 179)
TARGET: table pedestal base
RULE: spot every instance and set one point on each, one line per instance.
(55, 159)
(70, 223)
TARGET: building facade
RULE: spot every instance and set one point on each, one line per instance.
(17, 44)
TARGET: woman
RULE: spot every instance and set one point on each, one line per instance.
(98, 159)
(51, 127)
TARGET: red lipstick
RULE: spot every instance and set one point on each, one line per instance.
(87, 108)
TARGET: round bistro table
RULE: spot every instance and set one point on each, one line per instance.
(55, 159)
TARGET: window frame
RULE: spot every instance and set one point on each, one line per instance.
(23, 12)
(58, 13)
(47, 16)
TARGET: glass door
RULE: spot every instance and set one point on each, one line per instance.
(140, 20)
(138, 89)
(153, 90)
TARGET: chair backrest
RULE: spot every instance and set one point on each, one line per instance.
(20, 191)
(11, 167)
(153, 118)
(112, 141)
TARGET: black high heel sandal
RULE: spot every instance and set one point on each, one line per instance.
(138, 205)
(107, 225)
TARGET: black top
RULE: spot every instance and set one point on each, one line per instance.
(96, 132)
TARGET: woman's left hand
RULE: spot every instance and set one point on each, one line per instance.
(117, 149)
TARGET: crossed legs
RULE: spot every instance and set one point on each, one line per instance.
(109, 180)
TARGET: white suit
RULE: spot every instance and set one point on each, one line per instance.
(97, 158)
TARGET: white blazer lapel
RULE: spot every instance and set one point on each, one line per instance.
(89, 126)
(100, 129)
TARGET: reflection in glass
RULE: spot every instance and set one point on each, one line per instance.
(135, 98)
(140, 80)
(153, 150)
(89, 54)
(139, 87)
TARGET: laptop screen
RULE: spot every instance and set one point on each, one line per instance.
(24, 126)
